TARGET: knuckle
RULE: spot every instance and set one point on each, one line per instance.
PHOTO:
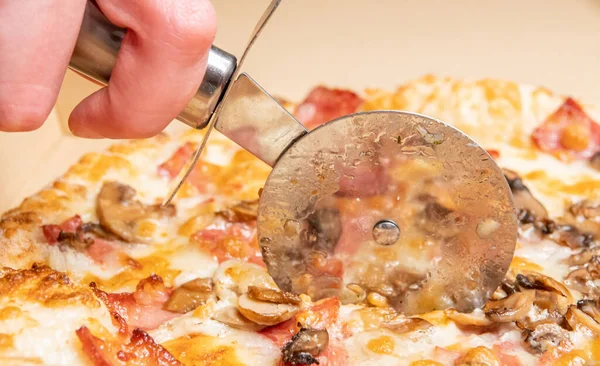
(21, 117)
(191, 25)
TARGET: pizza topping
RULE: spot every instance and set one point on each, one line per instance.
(274, 296)
(305, 346)
(230, 240)
(577, 318)
(353, 293)
(595, 161)
(512, 308)
(572, 237)
(190, 295)
(52, 232)
(585, 267)
(537, 281)
(233, 278)
(476, 318)
(265, 313)
(545, 336)
(568, 130)
(586, 209)
(231, 316)
(244, 211)
(323, 105)
(524, 200)
(401, 324)
(479, 356)
(377, 300)
(88, 238)
(495, 154)
(120, 214)
(140, 350)
(582, 280)
(140, 309)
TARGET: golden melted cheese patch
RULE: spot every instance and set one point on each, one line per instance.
(199, 350)
(44, 285)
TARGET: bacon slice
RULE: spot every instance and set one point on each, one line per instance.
(230, 240)
(568, 130)
(323, 105)
(140, 309)
(141, 350)
(51, 232)
(202, 175)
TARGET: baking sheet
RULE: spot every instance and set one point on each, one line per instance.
(347, 43)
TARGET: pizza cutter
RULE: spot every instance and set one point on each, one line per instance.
(387, 207)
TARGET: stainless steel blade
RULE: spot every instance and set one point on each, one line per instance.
(187, 169)
(256, 121)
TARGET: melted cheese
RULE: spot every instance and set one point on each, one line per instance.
(203, 341)
(47, 334)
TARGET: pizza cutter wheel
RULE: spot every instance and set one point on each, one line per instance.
(393, 206)
(387, 207)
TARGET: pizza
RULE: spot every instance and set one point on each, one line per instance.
(93, 271)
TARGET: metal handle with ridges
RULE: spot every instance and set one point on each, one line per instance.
(96, 51)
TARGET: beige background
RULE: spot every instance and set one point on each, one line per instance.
(358, 44)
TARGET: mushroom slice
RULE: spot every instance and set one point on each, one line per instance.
(582, 257)
(582, 280)
(232, 317)
(537, 281)
(75, 240)
(265, 313)
(595, 161)
(523, 198)
(274, 296)
(479, 356)
(305, 346)
(555, 304)
(120, 214)
(401, 324)
(505, 289)
(590, 307)
(242, 212)
(190, 295)
(588, 209)
(512, 308)
(577, 318)
(476, 318)
(545, 336)
(233, 277)
(572, 237)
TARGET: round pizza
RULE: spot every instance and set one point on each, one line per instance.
(94, 271)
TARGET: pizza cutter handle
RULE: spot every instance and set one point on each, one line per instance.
(96, 51)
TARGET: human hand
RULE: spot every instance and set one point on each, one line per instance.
(159, 67)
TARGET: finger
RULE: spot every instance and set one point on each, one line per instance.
(36, 41)
(159, 67)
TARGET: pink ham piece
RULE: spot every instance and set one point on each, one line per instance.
(140, 309)
(569, 119)
(323, 105)
(139, 350)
